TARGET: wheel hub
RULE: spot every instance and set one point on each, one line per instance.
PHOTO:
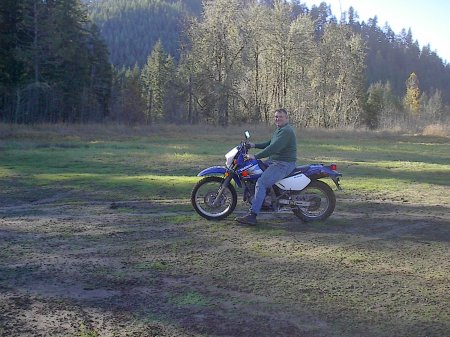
(315, 203)
(210, 199)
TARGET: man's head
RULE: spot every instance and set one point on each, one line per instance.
(281, 117)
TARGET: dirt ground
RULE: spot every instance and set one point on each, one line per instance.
(74, 267)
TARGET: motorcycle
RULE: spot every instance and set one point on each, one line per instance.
(214, 197)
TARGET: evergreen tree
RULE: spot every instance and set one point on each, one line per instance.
(14, 69)
(155, 79)
(132, 104)
(321, 15)
(100, 77)
(373, 106)
(392, 110)
(56, 66)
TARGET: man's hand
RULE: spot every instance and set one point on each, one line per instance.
(249, 157)
(249, 145)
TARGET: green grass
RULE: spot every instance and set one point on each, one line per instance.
(164, 165)
(106, 213)
(191, 298)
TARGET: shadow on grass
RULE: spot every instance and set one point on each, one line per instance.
(193, 278)
(373, 220)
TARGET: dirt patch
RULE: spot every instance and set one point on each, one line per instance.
(133, 268)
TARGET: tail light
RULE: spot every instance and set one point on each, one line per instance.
(244, 173)
(333, 167)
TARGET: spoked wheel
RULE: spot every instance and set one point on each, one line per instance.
(206, 203)
(314, 203)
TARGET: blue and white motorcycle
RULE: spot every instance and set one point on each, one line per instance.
(214, 197)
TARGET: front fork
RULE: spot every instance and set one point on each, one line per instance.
(228, 177)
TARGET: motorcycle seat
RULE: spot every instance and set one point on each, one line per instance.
(299, 169)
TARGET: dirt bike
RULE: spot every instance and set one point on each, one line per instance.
(214, 197)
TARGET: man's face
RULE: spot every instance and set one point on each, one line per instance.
(280, 119)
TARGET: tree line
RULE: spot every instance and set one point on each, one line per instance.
(235, 63)
(53, 64)
(242, 59)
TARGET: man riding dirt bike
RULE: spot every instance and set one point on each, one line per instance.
(282, 153)
(274, 186)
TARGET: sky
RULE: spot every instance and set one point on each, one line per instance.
(429, 20)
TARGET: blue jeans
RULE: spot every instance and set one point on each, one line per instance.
(276, 171)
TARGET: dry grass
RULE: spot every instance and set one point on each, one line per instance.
(87, 132)
(437, 130)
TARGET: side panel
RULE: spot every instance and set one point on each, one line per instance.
(295, 183)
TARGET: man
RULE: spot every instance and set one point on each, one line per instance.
(282, 153)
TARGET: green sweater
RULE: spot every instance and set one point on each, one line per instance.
(282, 146)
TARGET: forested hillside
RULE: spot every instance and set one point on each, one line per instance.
(393, 57)
(132, 27)
(220, 62)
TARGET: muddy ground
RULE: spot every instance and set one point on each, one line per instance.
(74, 267)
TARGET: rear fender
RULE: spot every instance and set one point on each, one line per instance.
(320, 171)
(218, 170)
(315, 172)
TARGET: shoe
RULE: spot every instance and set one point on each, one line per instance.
(249, 219)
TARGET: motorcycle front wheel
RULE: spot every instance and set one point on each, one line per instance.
(205, 202)
(316, 202)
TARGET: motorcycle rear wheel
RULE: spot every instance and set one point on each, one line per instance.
(204, 195)
(321, 199)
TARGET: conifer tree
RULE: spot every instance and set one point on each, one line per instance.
(154, 80)
(12, 69)
(132, 102)
(56, 68)
(373, 106)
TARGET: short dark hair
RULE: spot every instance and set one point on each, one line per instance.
(282, 110)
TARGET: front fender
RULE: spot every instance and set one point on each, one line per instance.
(218, 170)
(212, 171)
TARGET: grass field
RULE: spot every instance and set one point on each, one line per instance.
(97, 238)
